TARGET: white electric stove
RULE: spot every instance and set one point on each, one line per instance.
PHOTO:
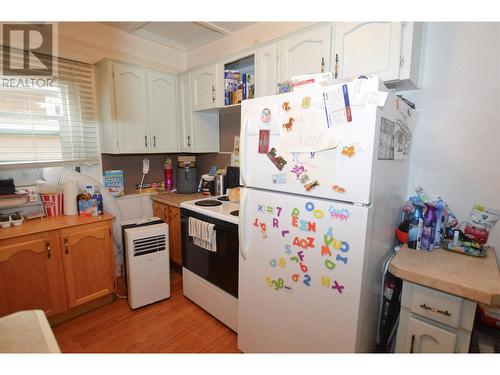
(218, 207)
(210, 278)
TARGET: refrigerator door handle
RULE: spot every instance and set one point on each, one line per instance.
(241, 226)
(243, 153)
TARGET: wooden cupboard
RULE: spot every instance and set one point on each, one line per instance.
(56, 264)
(88, 263)
(172, 216)
(31, 275)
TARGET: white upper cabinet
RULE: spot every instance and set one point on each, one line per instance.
(162, 99)
(204, 88)
(389, 50)
(266, 70)
(185, 114)
(306, 53)
(131, 109)
(368, 48)
(138, 109)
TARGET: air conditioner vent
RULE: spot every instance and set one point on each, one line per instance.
(147, 245)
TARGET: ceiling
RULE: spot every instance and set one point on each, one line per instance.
(183, 36)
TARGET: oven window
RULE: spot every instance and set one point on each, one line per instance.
(220, 267)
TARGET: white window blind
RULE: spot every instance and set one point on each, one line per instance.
(49, 124)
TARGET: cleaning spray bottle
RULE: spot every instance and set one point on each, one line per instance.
(416, 223)
(429, 226)
(438, 231)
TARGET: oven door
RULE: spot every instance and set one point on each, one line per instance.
(220, 267)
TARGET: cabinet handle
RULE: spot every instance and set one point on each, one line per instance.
(189, 141)
(322, 65)
(213, 94)
(336, 75)
(412, 343)
(154, 140)
(66, 246)
(428, 308)
(146, 140)
(49, 250)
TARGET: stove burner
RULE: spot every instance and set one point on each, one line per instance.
(208, 203)
(235, 213)
(224, 198)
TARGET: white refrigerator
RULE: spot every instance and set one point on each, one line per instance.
(323, 173)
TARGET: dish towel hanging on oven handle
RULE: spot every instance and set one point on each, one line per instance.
(203, 233)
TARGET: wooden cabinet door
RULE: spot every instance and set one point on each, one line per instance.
(306, 53)
(174, 234)
(163, 124)
(31, 275)
(203, 88)
(131, 109)
(161, 210)
(185, 114)
(88, 262)
(266, 70)
(423, 337)
(367, 48)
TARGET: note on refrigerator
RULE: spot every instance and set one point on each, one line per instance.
(304, 125)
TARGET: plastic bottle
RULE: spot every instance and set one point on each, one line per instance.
(89, 192)
(416, 222)
(98, 197)
(429, 225)
(438, 231)
(169, 181)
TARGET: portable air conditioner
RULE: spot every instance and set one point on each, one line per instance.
(147, 263)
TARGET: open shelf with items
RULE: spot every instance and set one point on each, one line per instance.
(239, 80)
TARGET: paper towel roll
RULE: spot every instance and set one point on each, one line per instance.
(70, 191)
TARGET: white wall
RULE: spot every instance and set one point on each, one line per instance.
(456, 149)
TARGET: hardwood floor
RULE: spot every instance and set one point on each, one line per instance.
(175, 325)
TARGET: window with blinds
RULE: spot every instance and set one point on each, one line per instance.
(52, 122)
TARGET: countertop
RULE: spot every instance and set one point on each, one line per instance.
(175, 199)
(474, 278)
(27, 332)
(48, 223)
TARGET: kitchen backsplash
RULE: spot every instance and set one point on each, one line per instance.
(131, 165)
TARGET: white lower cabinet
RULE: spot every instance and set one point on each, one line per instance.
(427, 338)
(431, 321)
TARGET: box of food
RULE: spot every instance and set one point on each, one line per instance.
(114, 182)
(88, 207)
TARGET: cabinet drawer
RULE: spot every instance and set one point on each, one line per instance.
(441, 307)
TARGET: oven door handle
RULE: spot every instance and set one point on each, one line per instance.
(241, 236)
